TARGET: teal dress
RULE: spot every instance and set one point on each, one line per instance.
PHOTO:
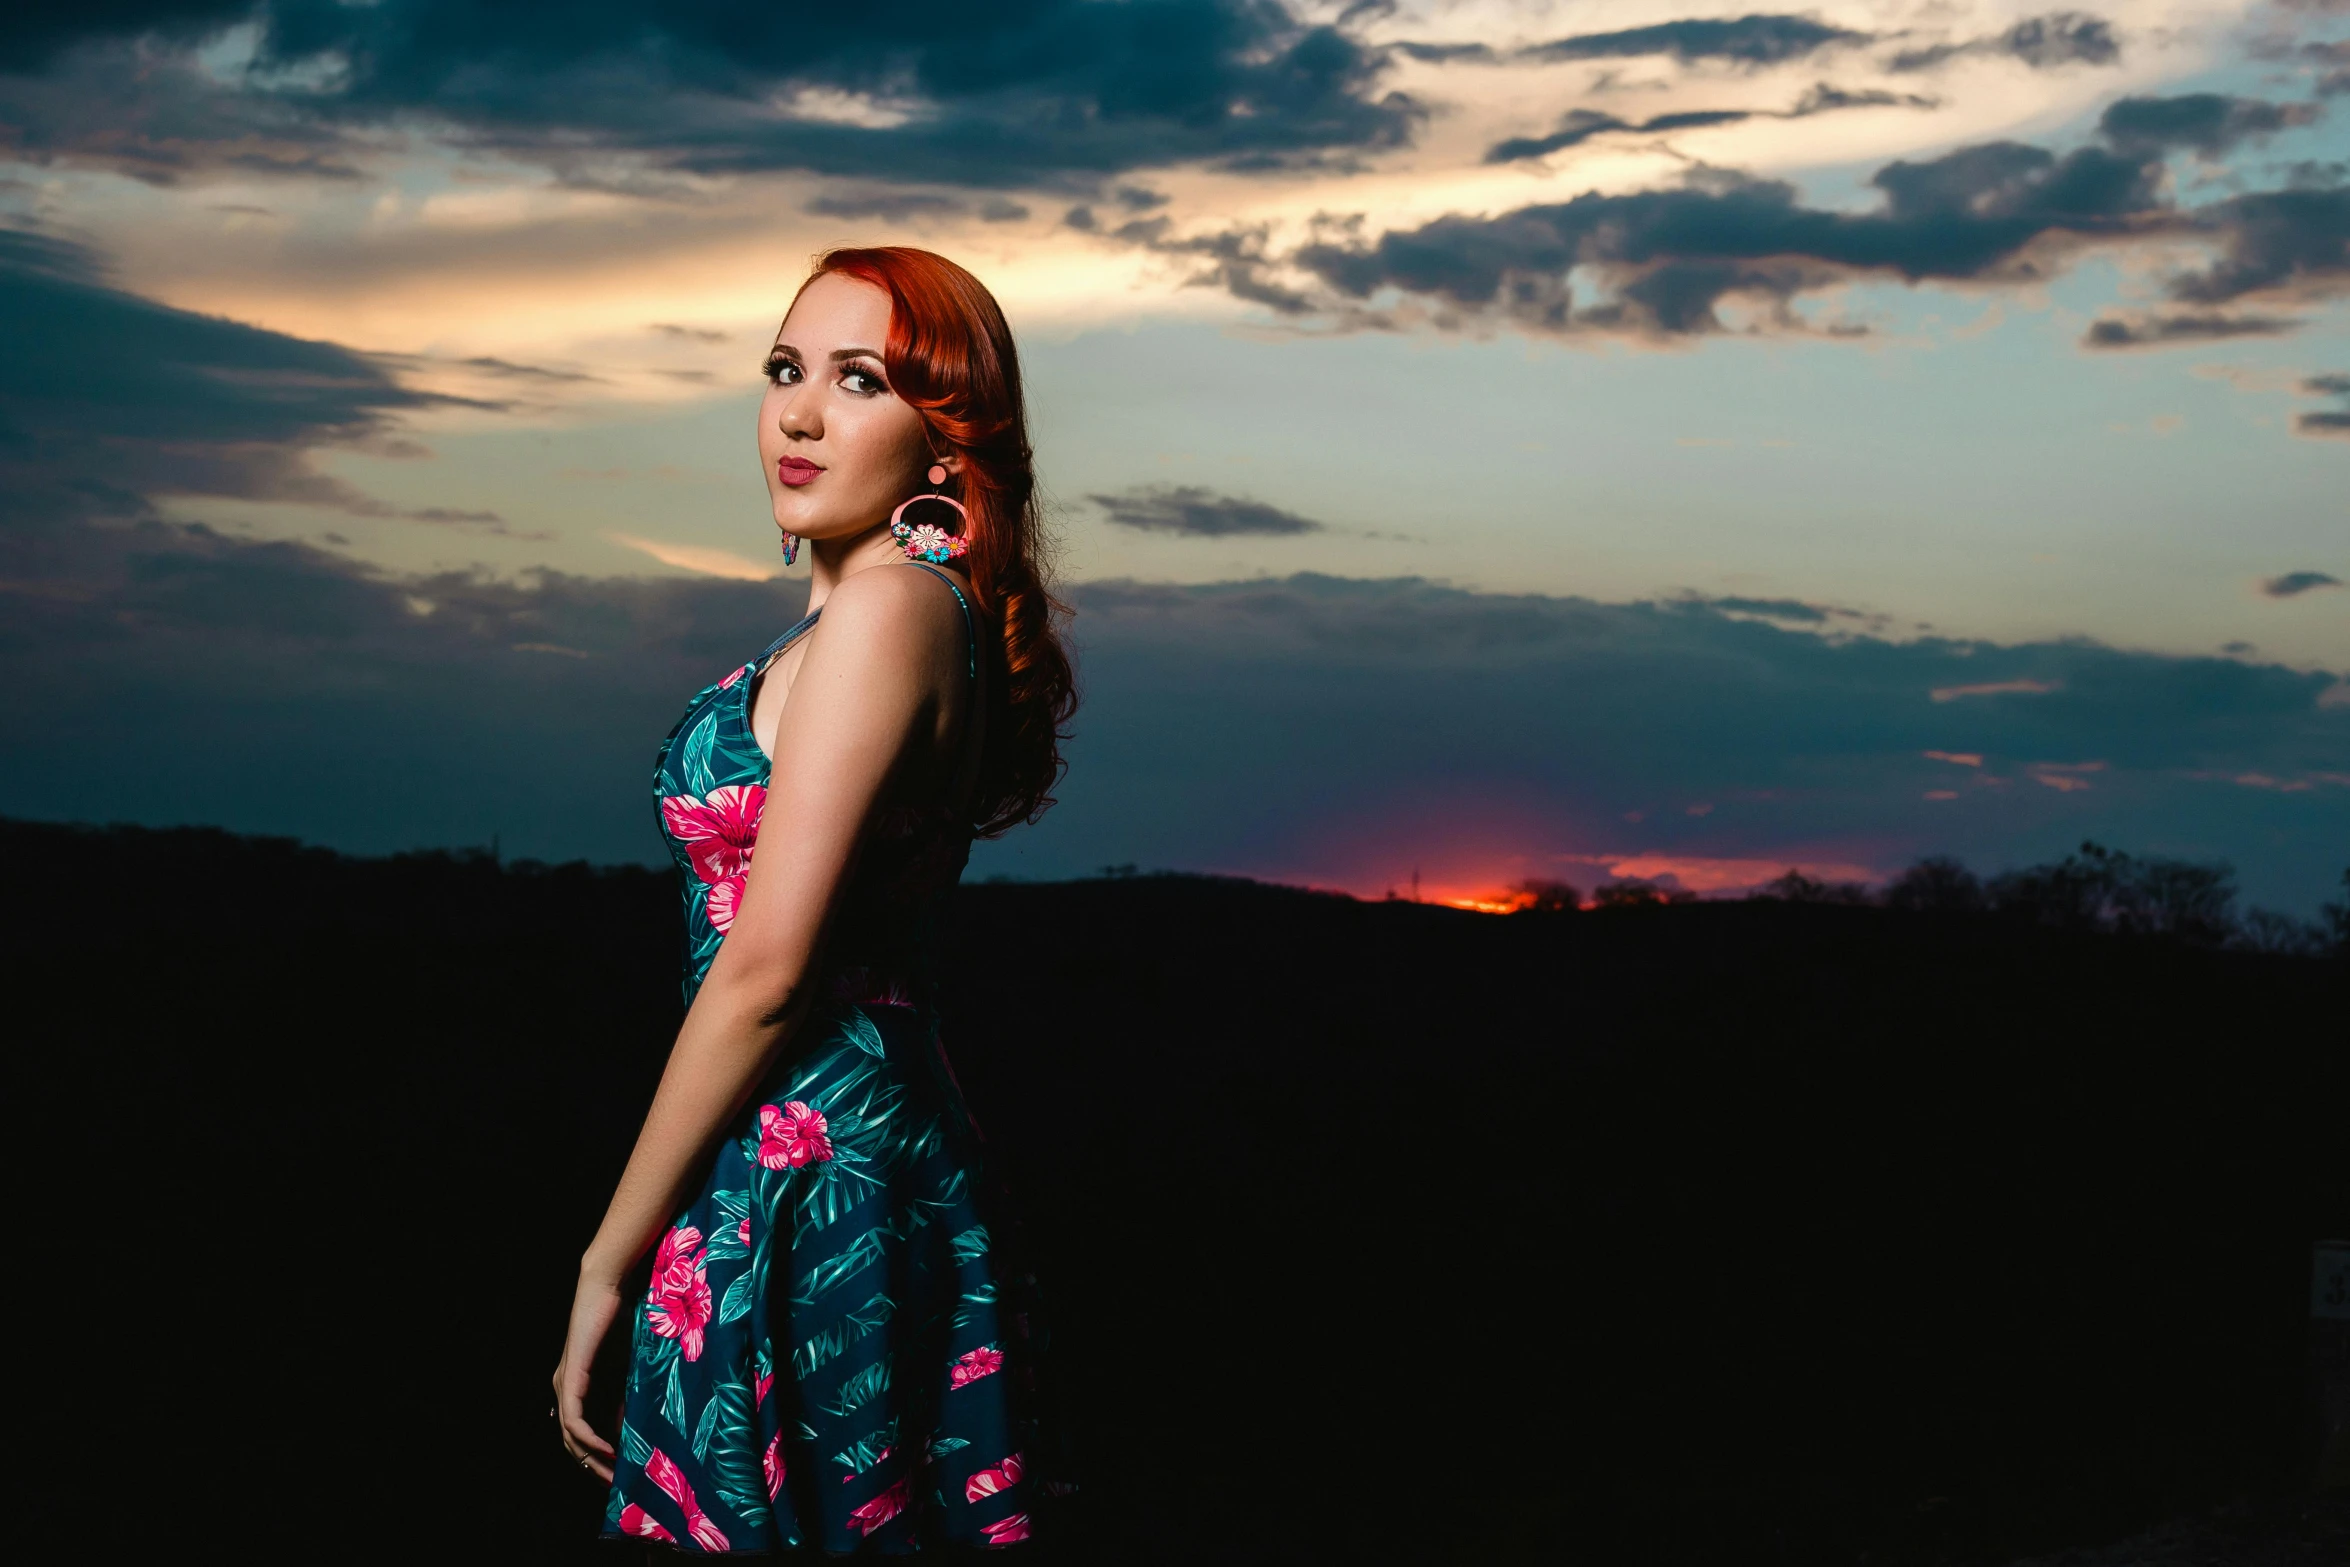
(832, 1351)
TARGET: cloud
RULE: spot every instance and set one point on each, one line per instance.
(2018, 687)
(2294, 243)
(1795, 610)
(2333, 423)
(213, 407)
(2044, 43)
(36, 34)
(698, 558)
(1251, 726)
(1745, 40)
(282, 688)
(1672, 255)
(2167, 329)
(892, 206)
(2208, 123)
(1202, 513)
(2295, 583)
(1237, 727)
(988, 97)
(1247, 726)
(1580, 125)
(1661, 263)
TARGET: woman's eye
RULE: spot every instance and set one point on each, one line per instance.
(863, 382)
(783, 372)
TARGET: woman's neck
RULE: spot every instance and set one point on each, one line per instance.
(833, 561)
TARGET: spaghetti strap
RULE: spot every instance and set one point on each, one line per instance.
(784, 641)
(970, 631)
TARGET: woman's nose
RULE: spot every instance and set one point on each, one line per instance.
(795, 415)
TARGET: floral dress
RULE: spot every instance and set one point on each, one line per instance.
(832, 1351)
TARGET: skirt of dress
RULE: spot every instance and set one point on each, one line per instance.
(831, 1353)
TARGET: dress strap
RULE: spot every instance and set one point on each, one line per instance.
(970, 631)
(784, 641)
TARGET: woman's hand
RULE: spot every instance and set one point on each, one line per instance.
(592, 1311)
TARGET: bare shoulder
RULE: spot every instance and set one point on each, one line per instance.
(891, 606)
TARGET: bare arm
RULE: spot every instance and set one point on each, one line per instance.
(867, 692)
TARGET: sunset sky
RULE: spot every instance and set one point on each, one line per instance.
(1571, 440)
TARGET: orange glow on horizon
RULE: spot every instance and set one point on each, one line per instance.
(1707, 877)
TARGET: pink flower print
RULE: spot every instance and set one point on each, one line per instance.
(989, 1481)
(985, 1361)
(1005, 1531)
(728, 683)
(635, 1520)
(765, 1380)
(793, 1135)
(881, 1509)
(724, 901)
(772, 1462)
(719, 834)
(678, 1304)
(662, 1470)
(742, 1231)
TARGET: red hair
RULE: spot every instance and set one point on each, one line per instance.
(950, 356)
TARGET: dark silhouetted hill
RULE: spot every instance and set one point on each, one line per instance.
(1781, 1231)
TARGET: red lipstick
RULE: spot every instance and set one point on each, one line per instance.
(795, 471)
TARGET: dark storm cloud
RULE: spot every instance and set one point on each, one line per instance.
(283, 689)
(2333, 423)
(148, 112)
(1235, 725)
(2295, 583)
(1241, 723)
(1023, 92)
(1187, 508)
(2042, 42)
(107, 398)
(1580, 125)
(1745, 40)
(2208, 123)
(31, 34)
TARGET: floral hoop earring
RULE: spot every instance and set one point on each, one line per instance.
(927, 540)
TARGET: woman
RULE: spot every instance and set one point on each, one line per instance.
(830, 1352)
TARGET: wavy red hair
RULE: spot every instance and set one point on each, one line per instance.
(950, 356)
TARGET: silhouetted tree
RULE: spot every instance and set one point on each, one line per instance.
(1633, 892)
(1547, 897)
(1795, 887)
(1937, 884)
(2175, 898)
(2071, 894)
(2338, 917)
(2104, 889)
(2265, 930)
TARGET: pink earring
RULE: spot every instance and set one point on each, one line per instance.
(926, 540)
(791, 546)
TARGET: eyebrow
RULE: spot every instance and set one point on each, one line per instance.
(837, 354)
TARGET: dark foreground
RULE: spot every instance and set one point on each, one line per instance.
(1726, 1233)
